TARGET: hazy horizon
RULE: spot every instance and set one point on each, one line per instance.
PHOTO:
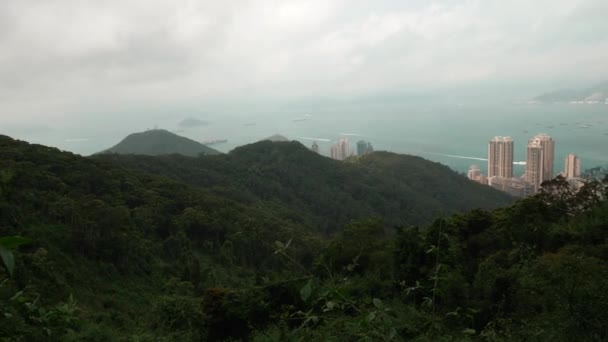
(80, 75)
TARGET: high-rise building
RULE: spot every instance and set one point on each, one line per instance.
(333, 152)
(361, 147)
(364, 147)
(315, 147)
(548, 146)
(572, 167)
(343, 149)
(534, 165)
(500, 157)
(475, 175)
(539, 160)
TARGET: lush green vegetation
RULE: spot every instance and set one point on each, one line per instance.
(323, 194)
(159, 141)
(113, 254)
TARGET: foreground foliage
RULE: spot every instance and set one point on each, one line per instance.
(118, 255)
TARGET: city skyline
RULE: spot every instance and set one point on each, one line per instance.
(539, 166)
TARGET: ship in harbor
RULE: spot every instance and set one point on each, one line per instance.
(214, 141)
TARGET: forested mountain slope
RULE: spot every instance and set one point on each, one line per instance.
(117, 255)
(324, 193)
(115, 238)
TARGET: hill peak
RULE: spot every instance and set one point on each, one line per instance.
(158, 142)
(276, 137)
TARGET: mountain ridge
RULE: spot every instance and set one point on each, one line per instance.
(326, 193)
(594, 94)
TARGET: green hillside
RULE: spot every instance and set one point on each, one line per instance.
(324, 193)
(120, 255)
(159, 142)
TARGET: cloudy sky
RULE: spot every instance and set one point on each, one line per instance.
(66, 58)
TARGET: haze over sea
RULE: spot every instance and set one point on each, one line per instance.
(454, 135)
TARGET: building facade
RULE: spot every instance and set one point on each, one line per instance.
(333, 152)
(343, 149)
(572, 166)
(548, 147)
(516, 187)
(475, 175)
(500, 157)
(534, 165)
(364, 147)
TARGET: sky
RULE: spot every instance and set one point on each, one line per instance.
(62, 60)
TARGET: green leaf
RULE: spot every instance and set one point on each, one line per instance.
(306, 290)
(377, 303)
(7, 259)
(11, 242)
(469, 331)
(392, 334)
(279, 244)
(371, 317)
(288, 243)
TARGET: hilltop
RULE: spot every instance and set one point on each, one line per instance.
(323, 193)
(159, 142)
(276, 138)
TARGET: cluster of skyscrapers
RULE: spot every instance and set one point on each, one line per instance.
(342, 150)
(540, 154)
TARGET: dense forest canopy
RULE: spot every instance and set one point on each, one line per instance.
(322, 193)
(163, 255)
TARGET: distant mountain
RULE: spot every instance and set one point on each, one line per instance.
(276, 138)
(193, 122)
(159, 142)
(323, 193)
(595, 94)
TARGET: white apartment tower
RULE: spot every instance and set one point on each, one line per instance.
(500, 157)
(475, 175)
(548, 146)
(572, 167)
(343, 149)
(333, 152)
(534, 165)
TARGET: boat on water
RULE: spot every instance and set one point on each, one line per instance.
(299, 119)
(214, 141)
(249, 124)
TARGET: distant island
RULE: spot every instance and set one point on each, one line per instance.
(597, 94)
(193, 122)
(158, 142)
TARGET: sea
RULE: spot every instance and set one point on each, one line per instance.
(456, 135)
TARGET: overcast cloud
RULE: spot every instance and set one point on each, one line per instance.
(63, 57)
